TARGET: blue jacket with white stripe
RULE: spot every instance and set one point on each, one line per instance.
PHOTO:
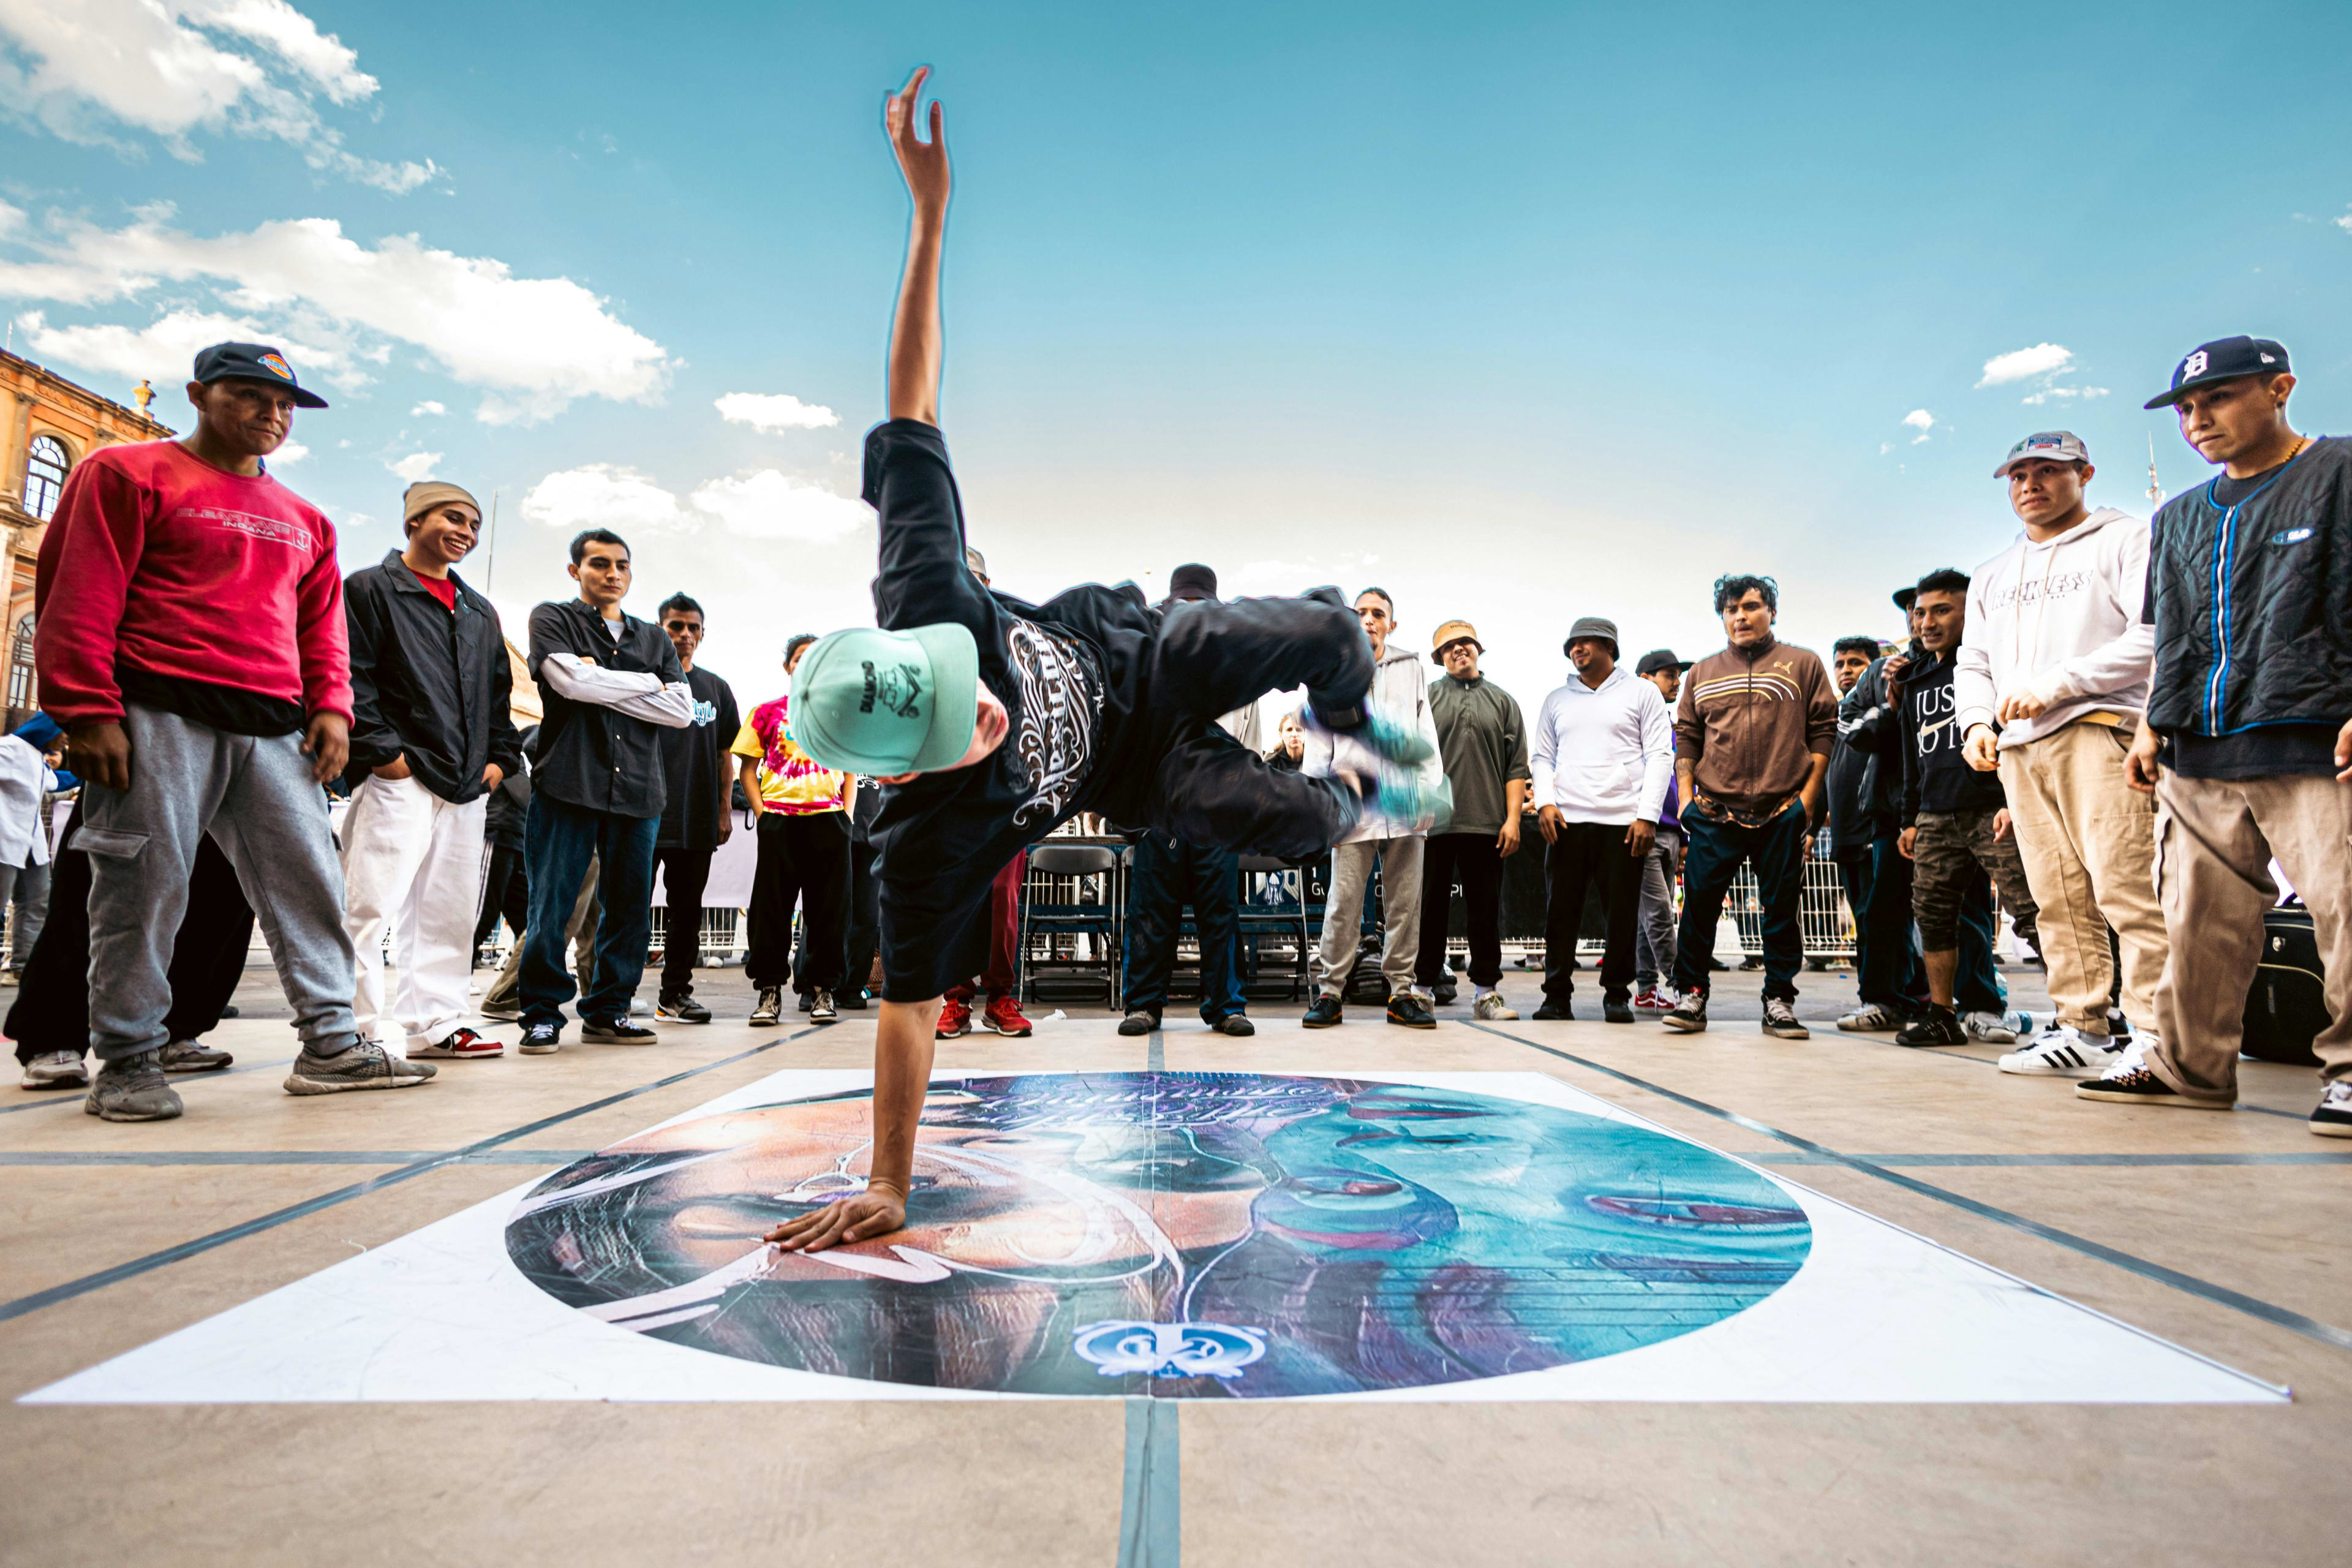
(2253, 603)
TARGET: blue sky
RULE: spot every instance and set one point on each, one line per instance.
(1523, 312)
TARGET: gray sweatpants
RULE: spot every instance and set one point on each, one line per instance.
(1653, 935)
(1343, 912)
(255, 797)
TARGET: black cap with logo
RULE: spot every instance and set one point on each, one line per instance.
(253, 362)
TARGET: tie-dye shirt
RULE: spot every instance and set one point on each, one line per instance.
(789, 781)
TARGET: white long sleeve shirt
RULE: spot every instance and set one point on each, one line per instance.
(632, 692)
(1603, 753)
(2059, 619)
(22, 777)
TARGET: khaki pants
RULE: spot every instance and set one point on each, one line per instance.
(2215, 841)
(2088, 840)
(1343, 910)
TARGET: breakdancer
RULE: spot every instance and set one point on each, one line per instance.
(991, 720)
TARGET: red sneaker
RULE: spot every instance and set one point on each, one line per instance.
(461, 1042)
(1003, 1016)
(1647, 1001)
(955, 1019)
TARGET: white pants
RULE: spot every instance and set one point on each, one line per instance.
(414, 859)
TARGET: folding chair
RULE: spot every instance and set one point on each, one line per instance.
(1044, 912)
(1260, 917)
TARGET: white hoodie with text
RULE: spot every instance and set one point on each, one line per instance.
(2060, 619)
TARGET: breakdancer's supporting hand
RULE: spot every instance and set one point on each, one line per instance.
(903, 1042)
(916, 343)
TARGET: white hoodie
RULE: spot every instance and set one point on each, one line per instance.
(1400, 694)
(2060, 619)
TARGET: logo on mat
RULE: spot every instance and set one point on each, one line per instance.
(898, 688)
(277, 366)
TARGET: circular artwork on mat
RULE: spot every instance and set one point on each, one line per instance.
(1202, 1235)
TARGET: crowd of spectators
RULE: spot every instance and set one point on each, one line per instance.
(2112, 732)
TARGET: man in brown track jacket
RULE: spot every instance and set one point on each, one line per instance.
(1753, 734)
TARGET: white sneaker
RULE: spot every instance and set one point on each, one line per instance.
(1872, 1018)
(1990, 1028)
(1492, 1008)
(2062, 1051)
(56, 1070)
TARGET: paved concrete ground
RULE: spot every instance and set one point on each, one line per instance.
(2252, 1216)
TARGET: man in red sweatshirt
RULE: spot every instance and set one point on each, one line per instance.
(190, 638)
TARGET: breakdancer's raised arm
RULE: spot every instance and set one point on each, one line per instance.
(989, 721)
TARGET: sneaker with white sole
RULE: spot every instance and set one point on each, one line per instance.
(1689, 1016)
(2334, 1117)
(55, 1070)
(1988, 1029)
(364, 1065)
(2129, 1080)
(2062, 1051)
(769, 1008)
(1872, 1018)
(1491, 1008)
(191, 1055)
(132, 1089)
(1780, 1020)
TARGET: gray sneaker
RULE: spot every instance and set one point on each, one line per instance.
(1780, 1020)
(55, 1070)
(194, 1055)
(365, 1065)
(1491, 1008)
(132, 1089)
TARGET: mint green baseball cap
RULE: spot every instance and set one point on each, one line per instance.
(878, 702)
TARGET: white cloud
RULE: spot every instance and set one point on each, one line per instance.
(774, 411)
(428, 407)
(2024, 364)
(2062, 392)
(767, 504)
(532, 344)
(82, 69)
(1922, 421)
(289, 452)
(164, 350)
(2344, 223)
(416, 465)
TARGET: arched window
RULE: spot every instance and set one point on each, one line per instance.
(45, 475)
(21, 692)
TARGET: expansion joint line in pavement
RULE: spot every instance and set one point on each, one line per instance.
(2281, 1317)
(186, 1249)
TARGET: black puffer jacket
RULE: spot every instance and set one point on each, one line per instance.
(428, 683)
(1865, 778)
(2253, 604)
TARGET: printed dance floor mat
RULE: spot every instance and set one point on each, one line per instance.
(1193, 1235)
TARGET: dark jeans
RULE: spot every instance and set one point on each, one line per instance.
(1777, 850)
(1978, 988)
(1472, 857)
(685, 873)
(803, 861)
(865, 920)
(559, 840)
(505, 891)
(51, 1012)
(1887, 964)
(1584, 854)
(1168, 873)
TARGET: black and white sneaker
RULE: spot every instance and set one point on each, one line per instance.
(1935, 1026)
(1872, 1018)
(681, 1010)
(1689, 1016)
(2062, 1051)
(542, 1040)
(1143, 1021)
(821, 1009)
(616, 1031)
(1780, 1020)
(2128, 1081)
(2334, 1117)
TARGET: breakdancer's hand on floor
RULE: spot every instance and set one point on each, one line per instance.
(876, 1211)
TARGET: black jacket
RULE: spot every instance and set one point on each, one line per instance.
(1936, 777)
(586, 755)
(1866, 778)
(2253, 603)
(428, 683)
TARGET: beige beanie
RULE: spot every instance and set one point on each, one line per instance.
(425, 494)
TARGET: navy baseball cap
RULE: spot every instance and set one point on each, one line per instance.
(253, 362)
(2223, 359)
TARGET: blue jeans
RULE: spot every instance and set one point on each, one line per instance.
(1977, 988)
(1777, 850)
(559, 840)
(1168, 873)
(1886, 963)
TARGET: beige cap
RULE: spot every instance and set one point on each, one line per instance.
(425, 494)
(1453, 631)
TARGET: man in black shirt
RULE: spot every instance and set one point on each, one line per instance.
(993, 720)
(698, 815)
(2248, 740)
(610, 682)
(1954, 819)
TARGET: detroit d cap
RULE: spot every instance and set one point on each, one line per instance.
(869, 701)
(2044, 446)
(2223, 359)
(253, 362)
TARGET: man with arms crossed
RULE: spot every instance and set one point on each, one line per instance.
(2052, 678)
(993, 720)
(2248, 743)
(431, 737)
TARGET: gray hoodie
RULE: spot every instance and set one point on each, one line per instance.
(1401, 694)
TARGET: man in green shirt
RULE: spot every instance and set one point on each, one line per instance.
(1483, 743)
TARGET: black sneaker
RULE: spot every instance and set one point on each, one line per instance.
(2129, 1083)
(1617, 1012)
(854, 1001)
(1411, 1011)
(617, 1031)
(821, 1007)
(541, 1039)
(1935, 1026)
(1689, 1016)
(1235, 1024)
(1143, 1021)
(1780, 1020)
(2334, 1117)
(1323, 1015)
(771, 1007)
(1561, 1012)
(682, 1010)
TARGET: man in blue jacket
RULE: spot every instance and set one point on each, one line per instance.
(2248, 740)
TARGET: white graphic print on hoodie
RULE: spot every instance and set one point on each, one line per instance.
(2060, 619)
(1400, 695)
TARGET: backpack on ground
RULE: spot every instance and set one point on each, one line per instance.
(2286, 1006)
